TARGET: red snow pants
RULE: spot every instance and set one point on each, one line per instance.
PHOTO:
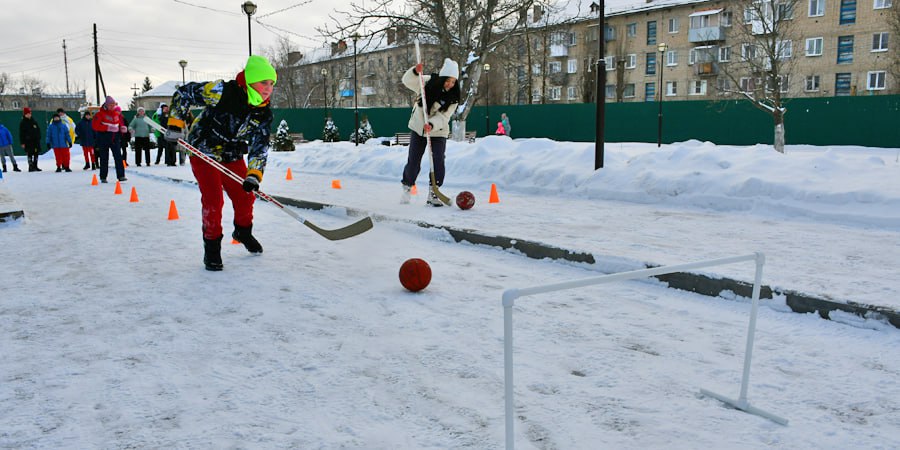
(212, 183)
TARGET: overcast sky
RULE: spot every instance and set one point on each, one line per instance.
(148, 38)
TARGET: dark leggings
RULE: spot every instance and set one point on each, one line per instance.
(417, 147)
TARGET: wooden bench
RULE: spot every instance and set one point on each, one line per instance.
(401, 138)
(470, 136)
(297, 138)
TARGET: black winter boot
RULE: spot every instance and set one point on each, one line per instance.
(244, 236)
(212, 254)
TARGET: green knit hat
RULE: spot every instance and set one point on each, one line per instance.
(259, 69)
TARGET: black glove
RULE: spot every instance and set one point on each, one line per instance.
(251, 183)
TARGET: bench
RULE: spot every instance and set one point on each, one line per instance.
(297, 138)
(470, 136)
(401, 138)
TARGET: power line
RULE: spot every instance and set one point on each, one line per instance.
(206, 7)
(306, 2)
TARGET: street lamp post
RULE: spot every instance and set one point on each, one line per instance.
(325, 89)
(355, 38)
(662, 47)
(487, 99)
(183, 64)
(249, 9)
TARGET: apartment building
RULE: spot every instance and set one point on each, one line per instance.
(686, 49)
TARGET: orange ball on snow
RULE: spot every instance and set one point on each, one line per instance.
(415, 274)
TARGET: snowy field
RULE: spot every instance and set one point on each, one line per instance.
(115, 337)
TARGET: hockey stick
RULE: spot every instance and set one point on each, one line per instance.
(358, 227)
(434, 187)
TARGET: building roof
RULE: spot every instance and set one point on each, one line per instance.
(164, 90)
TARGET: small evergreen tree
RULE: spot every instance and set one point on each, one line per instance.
(365, 131)
(330, 133)
(283, 141)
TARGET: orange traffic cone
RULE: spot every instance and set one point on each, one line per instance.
(173, 211)
(124, 163)
(413, 191)
(289, 176)
(94, 180)
(118, 190)
(494, 197)
(134, 197)
(335, 184)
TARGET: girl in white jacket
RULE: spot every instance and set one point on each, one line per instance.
(442, 98)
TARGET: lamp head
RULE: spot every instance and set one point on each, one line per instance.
(487, 67)
(182, 63)
(249, 8)
(662, 47)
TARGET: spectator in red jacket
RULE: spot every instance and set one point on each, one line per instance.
(109, 125)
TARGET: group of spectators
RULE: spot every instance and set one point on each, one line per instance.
(96, 136)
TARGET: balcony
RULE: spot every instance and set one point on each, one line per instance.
(706, 69)
(706, 34)
(559, 50)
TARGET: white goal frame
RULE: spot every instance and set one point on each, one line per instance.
(510, 296)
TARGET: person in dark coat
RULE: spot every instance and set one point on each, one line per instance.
(164, 147)
(30, 139)
(236, 120)
(109, 125)
(84, 132)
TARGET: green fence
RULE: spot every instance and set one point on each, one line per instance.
(865, 120)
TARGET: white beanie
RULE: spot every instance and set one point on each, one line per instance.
(449, 69)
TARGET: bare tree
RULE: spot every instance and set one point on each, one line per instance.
(464, 30)
(4, 82)
(285, 56)
(763, 45)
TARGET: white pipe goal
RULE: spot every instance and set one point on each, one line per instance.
(510, 296)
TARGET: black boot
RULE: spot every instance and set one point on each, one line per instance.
(244, 236)
(67, 169)
(212, 254)
(16, 169)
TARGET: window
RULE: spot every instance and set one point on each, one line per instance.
(610, 62)
(555, 93)
(631, 61)
(784, 49)
(649, 92)
(672, 58)
(814, 46)
(783, 82)
(554, 67)
(571, 39)
(651, 32)
(881, 4)
(784, 10)
(706, 53)
(848, 12)
(536, 95)
(16, 104)
(816, 8)
(724, 54)
(631, 29)
(697, 87)
(671, 88)
(880, 42)
(748, 51)
(570, 93)
(875, 80)
(842, 84)
(572, 66)
(812, 83)
(673, 25)
(700, 21)
(610, 91)
(610, 33)
(723, 85)
(845, 50)
(747, 84)
(629, 91)
(726, 18)
(535, 69)
(651, 64)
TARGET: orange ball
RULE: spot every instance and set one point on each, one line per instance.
(415, 274)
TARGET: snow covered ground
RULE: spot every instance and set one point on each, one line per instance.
(115, 337)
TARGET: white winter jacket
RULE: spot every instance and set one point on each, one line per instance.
(439, 120)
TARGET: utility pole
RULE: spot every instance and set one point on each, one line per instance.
(66, 64)
(96, 66)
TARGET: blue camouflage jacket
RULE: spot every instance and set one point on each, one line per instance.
(228, 127)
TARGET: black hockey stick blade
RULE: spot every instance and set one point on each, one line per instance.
(354, 229)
